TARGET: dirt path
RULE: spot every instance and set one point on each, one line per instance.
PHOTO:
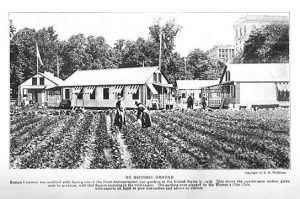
(125, 154)
(88, 156)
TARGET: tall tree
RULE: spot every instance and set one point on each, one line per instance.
(268, 44)
(169, 32)
(202, 67)
(48, 45)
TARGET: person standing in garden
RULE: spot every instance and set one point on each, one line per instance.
(143, 114)
(190, 102)
(120, 114)
(203, 101)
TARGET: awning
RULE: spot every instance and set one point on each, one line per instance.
(50, 87)
(133, 89)
(34, 87)
(89, 90)
(118, 89)
(165, 85)
(153, 90)
(283, 87)
(77, 90)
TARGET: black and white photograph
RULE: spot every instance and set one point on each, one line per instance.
(192, 91)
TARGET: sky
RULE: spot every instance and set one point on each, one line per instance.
(199, 30)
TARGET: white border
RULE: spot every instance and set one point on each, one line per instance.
(277, 191)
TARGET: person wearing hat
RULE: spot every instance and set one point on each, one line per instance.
(143, 114)
(120, 114)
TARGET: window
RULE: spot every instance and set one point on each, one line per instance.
(148, 93)
(227, 76)
(42, 81)
(155, 77)
(121, 92)
(50, 93)
(67, 93)
(25, 92)
(34, 81)
(232, 90)
(159, 77)
(105, 93)
(136, 95)
(80, 95)
(93, 94)
(183, 95)
(283, 95)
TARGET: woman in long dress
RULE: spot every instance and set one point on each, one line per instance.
(120, 114)
(143, 115)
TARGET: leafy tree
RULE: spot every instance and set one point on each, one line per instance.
(48, 45)
(12, 29)
(101, 53)
(269, 44)
(23, 52)
(176, 68)
(202, 67)
(169, 32)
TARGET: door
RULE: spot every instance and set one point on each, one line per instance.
(39, 97)
(67, 93)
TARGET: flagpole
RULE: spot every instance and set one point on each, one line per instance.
(37, 60)
(160, 42)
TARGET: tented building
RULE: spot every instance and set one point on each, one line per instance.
(99, 88)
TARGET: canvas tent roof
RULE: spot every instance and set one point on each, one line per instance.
(258, 72)
(195, 84)
(120, 76)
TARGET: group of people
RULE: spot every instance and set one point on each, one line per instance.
(143, 115)
(190, 102)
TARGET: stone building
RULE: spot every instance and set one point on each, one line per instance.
(223, 53)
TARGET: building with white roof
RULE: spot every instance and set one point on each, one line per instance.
(99, 88)
(251, 84)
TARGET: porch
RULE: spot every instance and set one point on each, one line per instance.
(221, 95)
